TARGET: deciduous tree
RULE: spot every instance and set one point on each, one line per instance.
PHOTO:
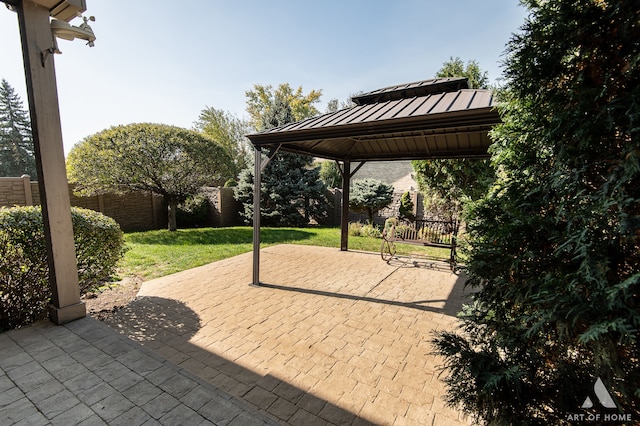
(262, 99)
(165, 160)
(330, 174)
(455, 67)
(229, 132)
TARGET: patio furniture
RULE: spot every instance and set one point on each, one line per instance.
(421, 232)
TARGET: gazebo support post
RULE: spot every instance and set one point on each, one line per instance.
(37, 43)
(257, 183)
(344, 217)
(259, 167)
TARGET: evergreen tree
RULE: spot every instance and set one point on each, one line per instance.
(555, 244)
(405, 210)
(369, 196)
(292, 192)
(16, 143)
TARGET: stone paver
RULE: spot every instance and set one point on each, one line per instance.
(330, 337)
(96, 376)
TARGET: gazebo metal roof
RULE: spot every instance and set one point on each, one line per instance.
(430, 119)
(440, 118)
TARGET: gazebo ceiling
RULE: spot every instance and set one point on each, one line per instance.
(439, 118)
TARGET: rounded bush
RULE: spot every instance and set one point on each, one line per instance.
(24, 288)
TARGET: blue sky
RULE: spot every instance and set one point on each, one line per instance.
(164, 61)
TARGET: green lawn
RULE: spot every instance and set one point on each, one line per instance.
(152, 254)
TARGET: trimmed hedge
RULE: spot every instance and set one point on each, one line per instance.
(24, 287)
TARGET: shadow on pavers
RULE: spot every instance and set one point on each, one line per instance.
(152, 322)
(453, 304)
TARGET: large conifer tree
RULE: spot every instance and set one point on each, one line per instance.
(556, 243)
(16, 143)
(292, 191)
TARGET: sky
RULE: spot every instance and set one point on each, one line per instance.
(161, 61)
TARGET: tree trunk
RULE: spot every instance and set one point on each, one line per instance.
(172, 206)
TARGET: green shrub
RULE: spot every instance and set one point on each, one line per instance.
(99, 246)
(406, 207)
(24, 288)
(357, 229)
(193, 212)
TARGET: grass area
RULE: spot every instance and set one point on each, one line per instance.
(153, 254)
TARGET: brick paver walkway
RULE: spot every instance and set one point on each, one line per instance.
(84, 373)
(330, 338)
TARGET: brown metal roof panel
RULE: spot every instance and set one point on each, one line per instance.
(445, 103)
(387, 108)
(409, 106)
(482, 99)
(327, 118)
(418, 88)
(433, 83)
(477, 99)
(308, 123)
(348, 115)
(395, 107)
(428, 103)
(464, 100)
(367, 111)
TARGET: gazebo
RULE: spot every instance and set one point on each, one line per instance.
(430, 119)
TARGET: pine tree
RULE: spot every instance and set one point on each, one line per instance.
(292, 192)
(16, 143)
(555, 245)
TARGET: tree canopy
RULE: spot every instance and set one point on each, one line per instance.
(330, 173)
(455, 67)
(261, 99)
(165, 160)
(17, 155)
(555, 243)
(227, 131)
(449, 184)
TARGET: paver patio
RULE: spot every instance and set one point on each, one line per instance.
(330, 337)
(84, 373)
